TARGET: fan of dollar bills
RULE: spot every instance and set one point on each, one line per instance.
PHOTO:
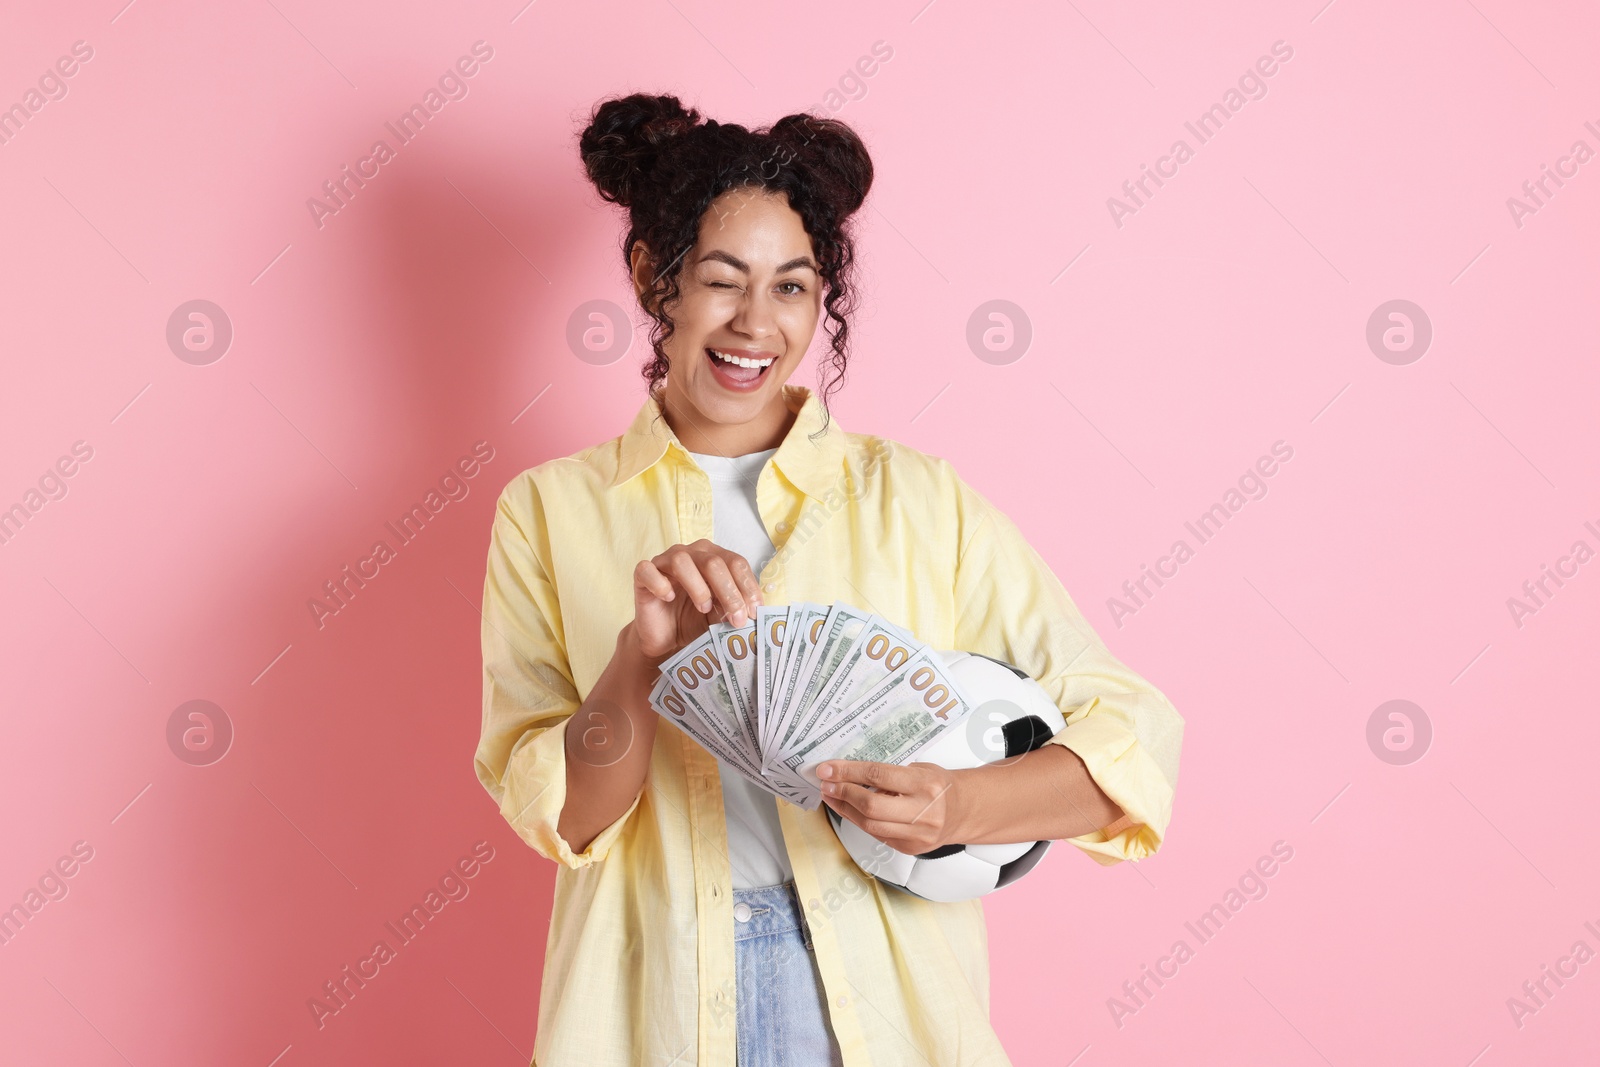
(803, 683)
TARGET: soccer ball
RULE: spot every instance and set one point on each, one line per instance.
(1013, 715)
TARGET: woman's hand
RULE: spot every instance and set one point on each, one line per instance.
(680, 593)
(913, 808)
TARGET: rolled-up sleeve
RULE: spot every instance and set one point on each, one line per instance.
(1011, 605)
(528, 692)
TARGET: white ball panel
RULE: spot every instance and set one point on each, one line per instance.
(1024, 866)
(871, 855)
(952, 878)
(951, 751)
(999, 854)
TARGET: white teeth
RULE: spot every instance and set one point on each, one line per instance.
(741, 362)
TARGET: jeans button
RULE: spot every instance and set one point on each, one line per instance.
(741, 911)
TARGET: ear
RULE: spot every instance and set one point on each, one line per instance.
(641, 266)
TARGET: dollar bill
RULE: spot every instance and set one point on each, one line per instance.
(699, 674)
(839, 629)
(673, 704)
(736, 650)
(698, 680)
(771, 628)
(803, 633)
(894, 719)
(804, 682)
(779, 666)
(904, 634)
(877, 649)
(679, 707)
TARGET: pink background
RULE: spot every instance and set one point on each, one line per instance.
(1228, 313)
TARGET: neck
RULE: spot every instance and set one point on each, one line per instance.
(699, 434)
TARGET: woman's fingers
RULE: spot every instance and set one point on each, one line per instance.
(680, 565)
(710, 576)
(742, 583)
(746, 579)
(649, 577)
(720, 577)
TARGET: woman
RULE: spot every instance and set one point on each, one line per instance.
(697, 919)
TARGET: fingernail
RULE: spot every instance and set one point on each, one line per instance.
(825, 771)
(830, 787)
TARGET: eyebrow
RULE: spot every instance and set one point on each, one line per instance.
(740, 265)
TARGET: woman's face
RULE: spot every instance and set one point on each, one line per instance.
(749, 289)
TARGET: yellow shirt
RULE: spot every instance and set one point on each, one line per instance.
(639, 965)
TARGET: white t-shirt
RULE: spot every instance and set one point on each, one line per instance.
(756, 852)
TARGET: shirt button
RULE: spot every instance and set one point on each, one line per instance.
(741, 911)
(783, 527)
(842, 1000)
(767, 588)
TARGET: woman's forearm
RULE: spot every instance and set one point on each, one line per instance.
(609, 740)
(1047, 794)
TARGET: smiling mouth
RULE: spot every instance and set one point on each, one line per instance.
(735, 371)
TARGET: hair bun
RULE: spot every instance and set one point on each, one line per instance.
(832, 151)
(625, 137)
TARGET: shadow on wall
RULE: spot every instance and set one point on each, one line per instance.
(349, 794)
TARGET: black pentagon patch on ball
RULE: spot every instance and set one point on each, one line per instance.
(1010, 872)
(941, 851)
(1025, 734)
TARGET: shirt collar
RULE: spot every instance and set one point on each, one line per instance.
(812, 465)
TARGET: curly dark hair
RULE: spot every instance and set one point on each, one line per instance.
(657, 159)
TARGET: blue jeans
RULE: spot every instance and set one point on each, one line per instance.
(782, 1007)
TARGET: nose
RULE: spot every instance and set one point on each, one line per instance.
(755, 318)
